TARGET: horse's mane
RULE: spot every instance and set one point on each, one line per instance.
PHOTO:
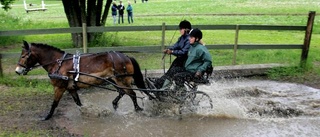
(47, 47)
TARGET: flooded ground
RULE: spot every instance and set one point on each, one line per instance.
(241, 107)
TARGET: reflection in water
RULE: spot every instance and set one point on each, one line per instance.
(241, 108)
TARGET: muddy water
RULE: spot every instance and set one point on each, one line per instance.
(241, 107)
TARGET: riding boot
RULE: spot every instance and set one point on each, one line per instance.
(166, 85)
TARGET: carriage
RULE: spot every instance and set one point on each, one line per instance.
(70, 72)
(188, 98)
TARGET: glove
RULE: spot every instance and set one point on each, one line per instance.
(168, 51)
(198, 74)
(165, 51)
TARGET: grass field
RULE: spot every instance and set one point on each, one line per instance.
(198, 12)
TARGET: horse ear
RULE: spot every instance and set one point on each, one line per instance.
(25, 45)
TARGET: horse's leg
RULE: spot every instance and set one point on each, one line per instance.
(116, 100)
(133, 97)
(58, 92)
(75, 97)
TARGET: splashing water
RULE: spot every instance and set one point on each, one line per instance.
(241, 107)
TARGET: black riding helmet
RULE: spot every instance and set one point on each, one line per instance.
(196, 33)
(185, 25)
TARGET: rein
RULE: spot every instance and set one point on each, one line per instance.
(107, 79)
(63, 58)
(38, 65)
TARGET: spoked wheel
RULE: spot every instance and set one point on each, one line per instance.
(195, 102)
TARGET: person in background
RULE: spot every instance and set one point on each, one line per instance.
(130, 12)
(121, 8)
(179, 49)
(114, 12)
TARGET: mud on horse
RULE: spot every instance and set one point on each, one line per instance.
(65, 74)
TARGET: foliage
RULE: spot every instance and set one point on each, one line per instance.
(25, 83)
(6, 4)
(31, 133)
(279, 72)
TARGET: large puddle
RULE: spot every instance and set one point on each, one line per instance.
(241, 107)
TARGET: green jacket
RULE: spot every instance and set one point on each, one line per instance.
(199, 58)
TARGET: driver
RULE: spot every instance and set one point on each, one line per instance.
(179, 49)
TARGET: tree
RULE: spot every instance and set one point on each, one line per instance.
(91, 12)
(6, 4)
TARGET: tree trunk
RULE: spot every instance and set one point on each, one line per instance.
(78, 11)
(73, 13)
(105, 13)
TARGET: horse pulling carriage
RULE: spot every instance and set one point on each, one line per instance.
(70, 72)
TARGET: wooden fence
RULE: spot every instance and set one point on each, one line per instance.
(84, 30)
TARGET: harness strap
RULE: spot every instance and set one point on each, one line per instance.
(123, 64)
(55, 74)
(76, 63)
(59, 61)
(113, 66)
(113, 63)
(76, 68)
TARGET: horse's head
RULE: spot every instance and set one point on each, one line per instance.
(27, 60)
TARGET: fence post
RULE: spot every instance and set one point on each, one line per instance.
(1, 73)
(235, 47)
(163, 35)
(307, 39)
(84, 38)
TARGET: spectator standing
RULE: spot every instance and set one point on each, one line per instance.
(114, 12)
(130, 12)
(121, 8)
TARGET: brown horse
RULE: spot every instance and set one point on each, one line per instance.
(66, 74)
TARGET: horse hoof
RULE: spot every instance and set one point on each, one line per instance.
(139, 109)
(79, 104)
(44, 119)
(115, 107)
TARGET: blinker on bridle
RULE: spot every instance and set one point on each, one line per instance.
(27, 57)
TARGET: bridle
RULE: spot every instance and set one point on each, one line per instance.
(27, 56)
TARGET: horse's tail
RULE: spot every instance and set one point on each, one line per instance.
(138, 77)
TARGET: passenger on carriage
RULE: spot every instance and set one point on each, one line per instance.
(199, 61)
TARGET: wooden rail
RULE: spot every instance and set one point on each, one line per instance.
(155, 49)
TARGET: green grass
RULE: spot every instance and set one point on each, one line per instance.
(156, 12)
(26, 84)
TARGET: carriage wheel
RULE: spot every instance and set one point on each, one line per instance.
(195, 102)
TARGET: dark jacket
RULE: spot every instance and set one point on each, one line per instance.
(114, 9)
(181, 47)
(121, 9)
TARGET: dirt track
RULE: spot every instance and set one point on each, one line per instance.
(25, 111)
